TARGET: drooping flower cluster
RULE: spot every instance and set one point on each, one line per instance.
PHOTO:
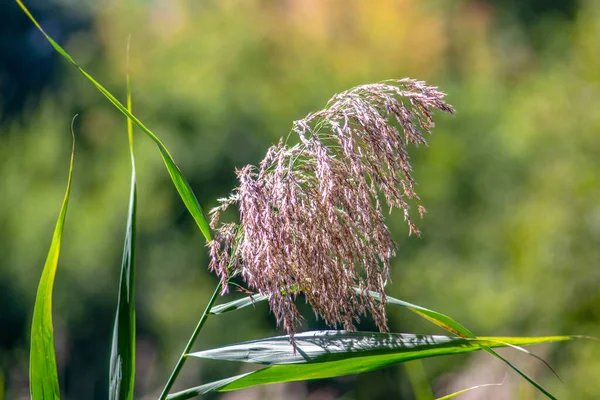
(311, 217)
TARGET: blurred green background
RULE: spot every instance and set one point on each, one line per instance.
(511, 242)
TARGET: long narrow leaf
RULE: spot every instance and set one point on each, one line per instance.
(209, 387)
(326, 354)
(453, 395)
(518, 371)
(334, 345)
(43, 375)
(122, 358)
(181, 184)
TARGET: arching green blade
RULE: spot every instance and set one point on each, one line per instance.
(326, 354)
(43, 375)
(122, 358)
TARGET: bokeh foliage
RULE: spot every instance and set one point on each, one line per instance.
(512, 183)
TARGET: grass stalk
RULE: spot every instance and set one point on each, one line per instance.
(188, 347)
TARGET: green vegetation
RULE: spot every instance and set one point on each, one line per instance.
(511, 183)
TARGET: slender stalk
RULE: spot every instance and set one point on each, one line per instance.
(189, 345)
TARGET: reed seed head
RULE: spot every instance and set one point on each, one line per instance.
(311, 217)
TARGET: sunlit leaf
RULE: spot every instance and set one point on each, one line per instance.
(334, 345)
(122, 358)
(326, 354)
(43, 375)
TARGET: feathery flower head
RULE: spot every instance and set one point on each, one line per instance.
(311, 218)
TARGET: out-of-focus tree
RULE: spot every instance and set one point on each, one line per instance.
(21, 47)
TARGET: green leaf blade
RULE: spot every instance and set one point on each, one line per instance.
(203, 389)
(326, 346)
(43, 374)
(122, 359)
(327, 354)
(334, 345)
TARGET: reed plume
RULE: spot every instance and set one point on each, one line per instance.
(311, 215)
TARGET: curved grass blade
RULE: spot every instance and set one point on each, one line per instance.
(122, 358)
(453, 395)
(200, 390)
(334, 345)
(452, 326)
(237, 304)
(327, 354)
(524, 375)
(43, 375)
(530, 354)
(181, 184)
(437, 318)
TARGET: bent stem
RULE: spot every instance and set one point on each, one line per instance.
(189, 345)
